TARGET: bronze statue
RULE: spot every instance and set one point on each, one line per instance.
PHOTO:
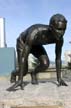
(32, 41)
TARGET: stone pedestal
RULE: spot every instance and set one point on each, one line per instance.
(46, 94)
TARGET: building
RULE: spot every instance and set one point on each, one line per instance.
(2, 33)
(7, 54)
(67, 55)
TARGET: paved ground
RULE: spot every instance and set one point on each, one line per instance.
(46, 93)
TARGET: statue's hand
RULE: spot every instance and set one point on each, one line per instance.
(14, 86)
(19, 83)
(62, 83)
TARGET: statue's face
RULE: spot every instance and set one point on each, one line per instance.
(59, 29)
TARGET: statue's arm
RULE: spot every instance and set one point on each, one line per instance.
(23, 68)
(58, 52)
(24, 61)
(23, 64)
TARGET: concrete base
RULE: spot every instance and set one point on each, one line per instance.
(46, 94)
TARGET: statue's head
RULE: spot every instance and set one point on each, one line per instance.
(58, 22)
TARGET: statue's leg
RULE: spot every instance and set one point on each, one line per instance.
(43, 64)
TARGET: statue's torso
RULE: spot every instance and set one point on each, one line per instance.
(38, 34)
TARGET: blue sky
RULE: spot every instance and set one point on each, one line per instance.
(20, 14)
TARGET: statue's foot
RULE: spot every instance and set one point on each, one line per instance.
(34, 78)
(62, 83)
(13, 78)
(22, 86)
(35, 82)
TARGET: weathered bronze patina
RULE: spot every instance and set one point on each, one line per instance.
(32, 41)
